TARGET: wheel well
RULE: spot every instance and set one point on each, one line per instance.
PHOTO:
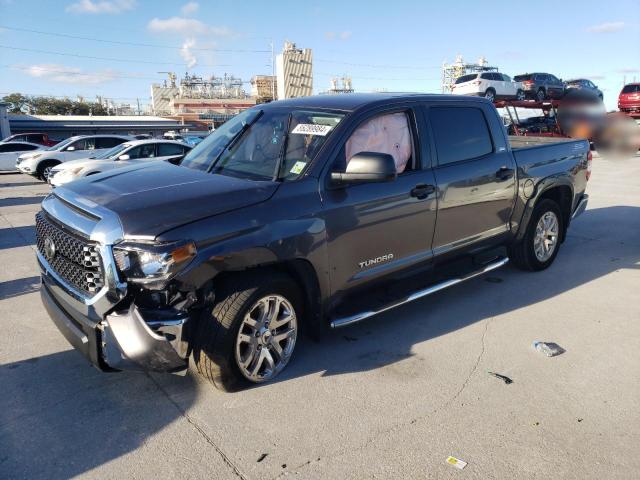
(303, 275)
(562, 196)
(43, 164)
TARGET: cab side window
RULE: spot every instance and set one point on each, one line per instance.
(460, 133)
(388, 133)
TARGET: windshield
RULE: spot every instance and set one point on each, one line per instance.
(273, 144)
(112, 152)
(63, 143)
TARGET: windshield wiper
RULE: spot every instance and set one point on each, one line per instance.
(283, 150)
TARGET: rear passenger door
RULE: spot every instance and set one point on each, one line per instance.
(475, 174)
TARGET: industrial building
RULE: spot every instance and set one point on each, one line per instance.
(202, 102)
(264, 88)
(294, 67)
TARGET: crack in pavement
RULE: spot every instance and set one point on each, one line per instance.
(396, 427)
(200, 430)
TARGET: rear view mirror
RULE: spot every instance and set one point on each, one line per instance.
(124, 157)
(367, 167)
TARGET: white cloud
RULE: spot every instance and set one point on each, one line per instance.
(187, 54)
(72, 75)
(607, 27)
(628, 70)
(189, 8)
(101, 6)
(346, 35)
(186, 26)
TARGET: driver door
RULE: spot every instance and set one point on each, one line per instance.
(376, 229)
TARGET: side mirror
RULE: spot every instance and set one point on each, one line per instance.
(70, 149)
(367, 167)
(124, 157)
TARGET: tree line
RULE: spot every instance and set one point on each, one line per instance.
(42, 105)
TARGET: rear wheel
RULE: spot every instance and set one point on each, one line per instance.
(490, 94)
(540, 245)
(250, 334)
(541, 95)
(520, 96)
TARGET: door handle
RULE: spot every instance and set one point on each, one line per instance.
(504, 173)
(422, 191)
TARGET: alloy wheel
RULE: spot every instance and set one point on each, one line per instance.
(266, 338)
(545, 240)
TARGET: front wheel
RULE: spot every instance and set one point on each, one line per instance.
(250, 334)
(520, 96)
(541, 95)
(539, 247)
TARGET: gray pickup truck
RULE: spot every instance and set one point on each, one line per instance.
(307, 213)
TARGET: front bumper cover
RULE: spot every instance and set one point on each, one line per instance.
(130, 339)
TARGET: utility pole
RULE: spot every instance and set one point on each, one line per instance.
(273, 74)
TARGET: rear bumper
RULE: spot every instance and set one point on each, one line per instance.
(581, 207)
(124, 340)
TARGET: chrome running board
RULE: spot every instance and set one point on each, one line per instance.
(358, 317)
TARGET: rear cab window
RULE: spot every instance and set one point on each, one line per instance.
(460, 133)
(466, 78)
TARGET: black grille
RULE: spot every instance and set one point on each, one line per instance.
(75, 259)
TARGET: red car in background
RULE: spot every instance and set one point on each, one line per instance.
(629, 99)
(40, 138)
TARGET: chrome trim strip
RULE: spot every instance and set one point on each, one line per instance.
(342, 322)
(493, 232)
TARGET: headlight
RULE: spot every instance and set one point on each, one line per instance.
(150, 263)
(70, 172)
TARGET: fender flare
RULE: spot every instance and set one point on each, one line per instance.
(540, 188)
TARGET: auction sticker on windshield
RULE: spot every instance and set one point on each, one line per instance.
(298, 167)
(311, 129)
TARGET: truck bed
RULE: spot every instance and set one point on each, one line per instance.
(520, 141)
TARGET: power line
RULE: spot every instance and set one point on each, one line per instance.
(370, 65)
(119, 42)
(48, 52)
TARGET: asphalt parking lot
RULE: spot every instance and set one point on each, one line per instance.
(390, 398)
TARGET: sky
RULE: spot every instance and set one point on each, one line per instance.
(117, 48)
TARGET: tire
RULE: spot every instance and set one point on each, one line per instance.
(525, 254)
(541, 95)
(226, 348)
(44, 169)
(520, 96)
(490, 94)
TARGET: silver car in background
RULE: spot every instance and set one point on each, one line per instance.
(40, 163)
(10, 151)
(123, 155)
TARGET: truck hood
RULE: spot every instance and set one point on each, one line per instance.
(152, 198)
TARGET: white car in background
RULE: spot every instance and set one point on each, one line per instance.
(10, 151)
(40, 163)
(491, 85)
(123, 155)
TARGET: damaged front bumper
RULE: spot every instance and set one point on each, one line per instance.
(130, 339)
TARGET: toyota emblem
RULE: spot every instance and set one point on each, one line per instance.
(49, 248)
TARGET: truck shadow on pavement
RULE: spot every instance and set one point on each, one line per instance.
(17, 237)
(59, 417)
(599, 242)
